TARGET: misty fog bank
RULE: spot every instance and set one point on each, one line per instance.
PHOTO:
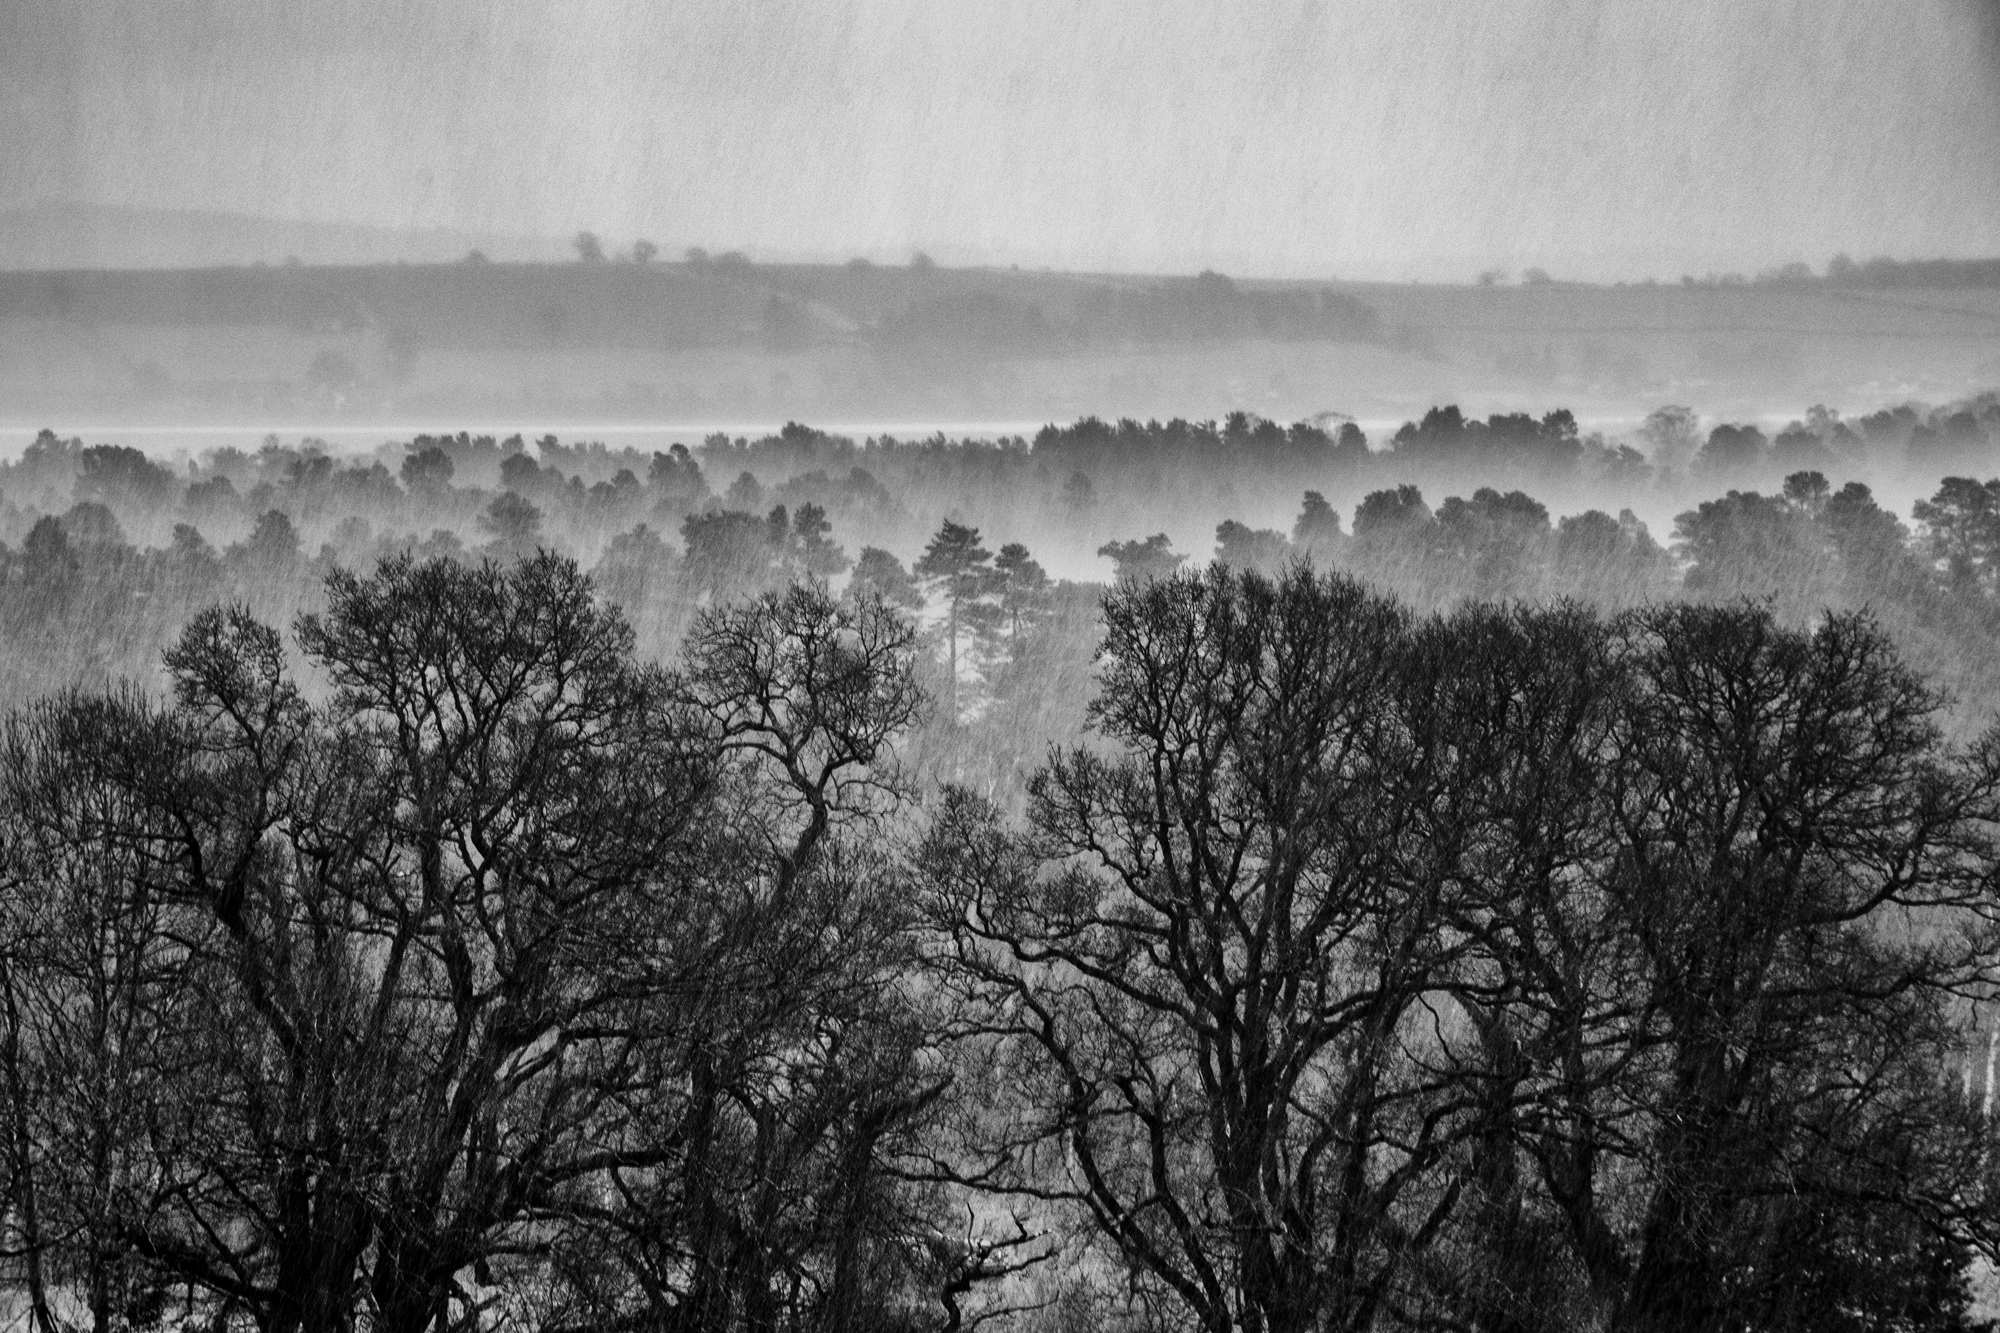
(106, 546)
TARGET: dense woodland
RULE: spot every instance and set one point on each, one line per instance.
(493, 885)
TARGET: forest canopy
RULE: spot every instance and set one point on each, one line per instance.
(485, 885)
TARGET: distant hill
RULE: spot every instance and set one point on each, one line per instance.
(86, 236)
(912, 312)
(726, 339)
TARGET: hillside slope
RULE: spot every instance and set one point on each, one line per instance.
(730, 340)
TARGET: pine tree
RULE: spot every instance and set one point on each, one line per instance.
(956, 565)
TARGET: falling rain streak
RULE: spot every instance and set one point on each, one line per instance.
(1035, 667)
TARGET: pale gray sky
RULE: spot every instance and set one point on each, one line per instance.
(1338, 137)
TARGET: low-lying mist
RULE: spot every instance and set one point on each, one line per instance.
(108, 547)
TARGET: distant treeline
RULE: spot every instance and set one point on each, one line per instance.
(1845, 271)
(924, 311)
(1884, 272)
(103, 550)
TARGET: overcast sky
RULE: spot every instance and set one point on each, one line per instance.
(1331, 138)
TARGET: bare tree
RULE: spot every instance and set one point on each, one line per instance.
(1803, 868)
(415, 924)
(1205, 974)
(766, 1186)
(94, 991)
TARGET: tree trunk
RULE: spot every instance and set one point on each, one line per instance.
(1498, 1301)
(755, 1272)
(1673, 1289)
(319, 1266)
(1674, 1285)
(24, 1164)
(706, 1306)
(409, 1294)
(844, 1312)
(951, 652)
